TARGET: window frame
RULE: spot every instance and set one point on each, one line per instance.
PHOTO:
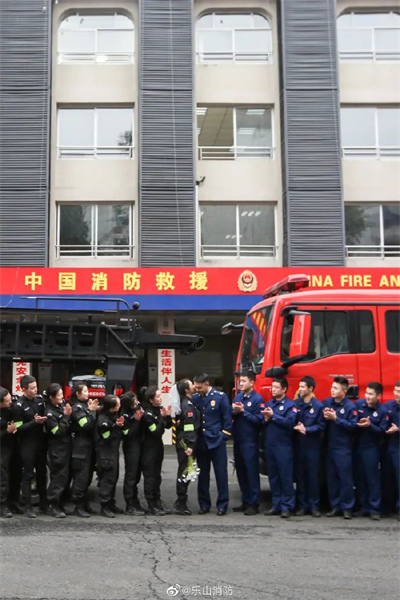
(387, 329)
(236, 152)
(234, 56)
(381, 251)
(367, 56)
(92, 152)
(112, 58)
(93, 248)
(377, 151)
(233, 251)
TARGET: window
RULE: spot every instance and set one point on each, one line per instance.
(392, 320)
(226, 38)
(100, 39)
(369, 36)
(372, 230)
(255, 338)
(95, 133)
(329, 334)
(227, 133)
(365, 331)
(94, 230)
(370, 132)
(237, 230)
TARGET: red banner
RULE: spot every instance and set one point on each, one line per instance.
(184, 281)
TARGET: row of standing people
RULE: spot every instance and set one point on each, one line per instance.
(204, 421)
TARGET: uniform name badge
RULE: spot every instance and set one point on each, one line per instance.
(342, 411)
(312, 411)
(281, 407)
(249, 404)
(375, 414)
(212, 402)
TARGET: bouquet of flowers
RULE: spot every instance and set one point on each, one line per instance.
(192, 471)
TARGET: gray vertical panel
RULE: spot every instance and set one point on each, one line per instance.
(166, 152)
(24, 131)
(312, 186)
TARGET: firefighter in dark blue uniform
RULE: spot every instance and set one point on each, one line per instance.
(310, 424)
(247, 424)
(391, 453)
(216, 421)
(29, 418)
(372, 423)
(280, 418)
(58, 430)
(7, 430)
(341, 420)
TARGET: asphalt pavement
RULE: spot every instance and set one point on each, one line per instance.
(237, 556)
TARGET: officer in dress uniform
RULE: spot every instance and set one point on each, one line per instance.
(310, 424)
(280, 418)
(187, 431)
(341, 423)
(58, 431)
(372, 422)
(247, 424)
(391, 453)
(7, 430)
(216, 419)
(29, 417)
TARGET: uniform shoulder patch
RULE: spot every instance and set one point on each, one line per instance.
(190, 414)
(354, 412)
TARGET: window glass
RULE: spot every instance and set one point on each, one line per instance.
(114, 127)
(77, 41)
(392, 319)
(76, 127)
(253, 127)
(256, 225)
(112, 21)
(115, 41)
(366, 331)
(253, 41)
(233, 21)
(215, 42)
(387, 40)
(215, 126)
(355, 40)
(362, 225)
(358, 126)
(391, 224)
(368, 19)
(329, 333)
(389, 127)
(218, 225)
(255, 334)
(113, 229)
(75, 229)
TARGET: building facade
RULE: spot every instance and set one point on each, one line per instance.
(204, 134)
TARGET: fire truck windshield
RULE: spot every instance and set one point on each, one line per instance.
(255, 338)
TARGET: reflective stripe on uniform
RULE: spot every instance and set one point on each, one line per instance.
(55, 429)
(106, 434)
(152, 427)
(18, 424)
(125, 431)
(226, 432)
(189, 427)
(82, 422)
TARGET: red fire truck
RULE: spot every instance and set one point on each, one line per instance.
(295, 332)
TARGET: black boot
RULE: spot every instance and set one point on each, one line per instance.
(54, 511)
(16, 508)
(114, 508)
(106, 511)
(80, 510)
(29, 512)
(154, 509)
(161, 506)
(89, 509)
(5, 512)
(181, 507)
(134, 511)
